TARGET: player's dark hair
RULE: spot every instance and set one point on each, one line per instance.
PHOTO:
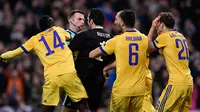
(74, 12)
(97, 16)
(46, 22)
(168, 19)
(128, 18)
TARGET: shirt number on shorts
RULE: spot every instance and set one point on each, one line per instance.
(132, 48)
(184, 49)
(56, 43)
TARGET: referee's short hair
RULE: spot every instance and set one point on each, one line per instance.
(71, 14)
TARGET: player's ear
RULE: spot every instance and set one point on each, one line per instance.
(51, 22)
(122, 23)
(90, 21)
(162, 25)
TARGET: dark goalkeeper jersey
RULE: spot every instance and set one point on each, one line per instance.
(90, 70)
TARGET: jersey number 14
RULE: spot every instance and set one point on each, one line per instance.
(55, 44)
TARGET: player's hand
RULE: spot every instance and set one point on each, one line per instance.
(155, 22)
(105, 73)
(3, 60)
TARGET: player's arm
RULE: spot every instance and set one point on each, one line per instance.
(110, 66)
(107, 68)
(96, 53)
(151, 33)
(11, 54)
(25, 48)
(106, 49)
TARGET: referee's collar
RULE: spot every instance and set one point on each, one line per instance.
(71, 31)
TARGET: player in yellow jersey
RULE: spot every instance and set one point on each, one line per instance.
(147, 103)
(76, 21)
(59, 71)
(176, 97)
(130, 51)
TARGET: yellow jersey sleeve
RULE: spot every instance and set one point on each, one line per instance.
(160, 41)
(109, 47)
(11, 54)
(28, 45)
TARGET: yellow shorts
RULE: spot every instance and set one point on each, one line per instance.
(147, 103)
(175, 98)
(70, 83)
(126, 104)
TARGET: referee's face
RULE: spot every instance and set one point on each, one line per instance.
(79, 20)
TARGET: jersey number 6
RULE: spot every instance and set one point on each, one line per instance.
(55, 44)
(131, 54)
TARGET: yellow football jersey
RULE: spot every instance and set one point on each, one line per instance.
(148, 72)
(130, 51)
(50, 46)
(175, 50)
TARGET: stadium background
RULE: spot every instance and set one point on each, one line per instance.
(21, 80)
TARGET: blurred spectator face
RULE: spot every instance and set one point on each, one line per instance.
(2, 47)
(138, 24)
(59, 22)
(36, 80)
(189, 27)
(19, 7)
(67, 2)
(14, 74)
(55, 12)
(67, 10)
(77, 21)
(198, 80)
(4, 99)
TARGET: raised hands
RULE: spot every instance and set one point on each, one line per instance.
(155, 22)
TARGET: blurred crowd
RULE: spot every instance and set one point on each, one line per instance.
(21, 79)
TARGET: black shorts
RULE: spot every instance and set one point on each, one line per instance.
(94, 96)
